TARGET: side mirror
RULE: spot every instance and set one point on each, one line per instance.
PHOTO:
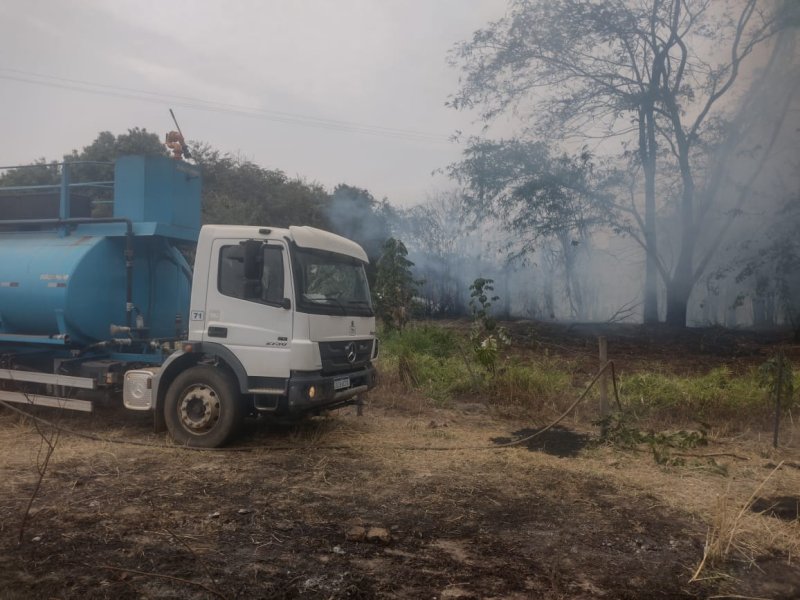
(286, 303)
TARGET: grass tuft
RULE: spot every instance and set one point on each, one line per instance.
(439, 363)
(718, 394)
(436, 365)
(725, 537)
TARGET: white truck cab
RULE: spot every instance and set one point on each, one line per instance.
(281, 322)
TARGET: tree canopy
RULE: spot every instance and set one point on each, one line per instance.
(237, 191)
(105, 148)
(652, 74)
(395, 285)
(535, 193)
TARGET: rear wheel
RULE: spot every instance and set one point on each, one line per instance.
(203, 407)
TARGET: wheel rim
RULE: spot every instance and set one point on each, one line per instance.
(199, 408)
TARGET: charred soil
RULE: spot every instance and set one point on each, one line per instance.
(374, 507)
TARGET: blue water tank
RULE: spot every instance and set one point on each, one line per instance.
(71, 281)
(76, 285)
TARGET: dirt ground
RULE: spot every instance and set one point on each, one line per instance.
(406, 501)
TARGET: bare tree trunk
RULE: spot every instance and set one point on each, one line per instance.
(759, 311)
(679, 288)
(647, 151)
(770, 316)
(568, 254)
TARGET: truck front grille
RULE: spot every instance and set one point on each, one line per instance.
(345, 355)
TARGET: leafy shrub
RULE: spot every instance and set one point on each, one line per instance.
(439, 362)
(434, 341)
(617, 431)
(718, 393)
(486, 338)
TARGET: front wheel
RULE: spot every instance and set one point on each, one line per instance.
(203, 408)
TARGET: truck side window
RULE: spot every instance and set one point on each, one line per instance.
(272, 275)
(268, 288)
(231, 271)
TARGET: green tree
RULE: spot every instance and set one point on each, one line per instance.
(486, 337)
(40, 172)
(105, 148)
(481, 300)
(650, 72)
(395, 285)
(237, 191)
(539, 197)
(771, 265)
(100, 155)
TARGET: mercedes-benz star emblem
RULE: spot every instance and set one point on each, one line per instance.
(350, 352)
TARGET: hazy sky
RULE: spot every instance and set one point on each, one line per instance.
(275, 77)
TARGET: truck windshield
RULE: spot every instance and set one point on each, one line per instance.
(330, 283)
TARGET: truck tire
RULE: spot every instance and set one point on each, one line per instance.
(203, 408)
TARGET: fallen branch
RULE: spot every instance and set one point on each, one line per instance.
(710, 455)
(162, 576)
(738, 597)
(624, 312)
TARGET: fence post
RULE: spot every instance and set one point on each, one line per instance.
(778, 392)
(603, 382)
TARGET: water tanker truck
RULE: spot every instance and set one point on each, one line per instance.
(96, 309)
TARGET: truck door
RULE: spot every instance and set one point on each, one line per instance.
(247, 311)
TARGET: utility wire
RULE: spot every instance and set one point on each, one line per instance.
(188, 102)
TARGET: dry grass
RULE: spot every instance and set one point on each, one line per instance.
(717, 491)
(730, 533)
(377, 472)
(719, 503)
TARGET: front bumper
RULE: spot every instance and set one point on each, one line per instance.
(326, 395)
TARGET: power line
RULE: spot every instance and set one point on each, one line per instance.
(251, 112)
(188, 102)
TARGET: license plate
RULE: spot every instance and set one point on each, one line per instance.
(340, 384)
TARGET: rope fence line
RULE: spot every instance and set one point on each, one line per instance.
(609, 365)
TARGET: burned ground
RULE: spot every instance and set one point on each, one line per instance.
(374, 507)
(557, 440)
(112, 520)
(273, 524)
